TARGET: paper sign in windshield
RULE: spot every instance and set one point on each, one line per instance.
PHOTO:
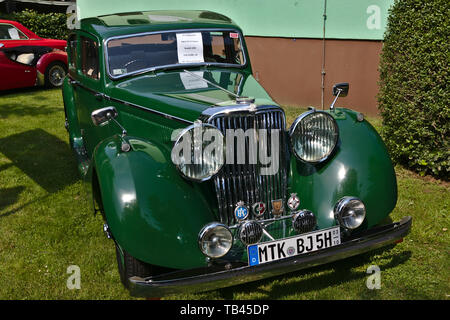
(190, 47)
(193, 82)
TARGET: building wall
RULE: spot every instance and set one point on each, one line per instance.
(290, 70)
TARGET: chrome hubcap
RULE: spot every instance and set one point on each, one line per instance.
(56, 76)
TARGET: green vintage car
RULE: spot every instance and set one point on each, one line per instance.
(200, 183)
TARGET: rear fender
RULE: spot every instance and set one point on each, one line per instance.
(45, 60)
(152, 212)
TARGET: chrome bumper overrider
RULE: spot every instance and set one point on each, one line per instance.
(214, 277)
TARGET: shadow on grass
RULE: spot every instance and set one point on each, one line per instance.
(19, 109)
(9, 196)
(21, 91)
(27, 102)
(43, 157)
(336, 273)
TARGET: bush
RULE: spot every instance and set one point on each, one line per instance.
(46, 25)
(414, 96)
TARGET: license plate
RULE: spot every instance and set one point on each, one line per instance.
(288, 247)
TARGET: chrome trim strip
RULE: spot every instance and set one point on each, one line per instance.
(215, 111)
(129, 104)
(106, 55)
(162, 114)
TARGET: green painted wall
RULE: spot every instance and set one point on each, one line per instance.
(346, 19)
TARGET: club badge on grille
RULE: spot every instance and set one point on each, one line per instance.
(277, 207)
(293, 201)
(259, 209)
(241, 211)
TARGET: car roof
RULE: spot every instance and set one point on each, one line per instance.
(21, 27)
(8, 21)
(147, 21)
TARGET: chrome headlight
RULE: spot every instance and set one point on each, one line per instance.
(314, 136)
(198, 152)
(350, 212)
(215, 240)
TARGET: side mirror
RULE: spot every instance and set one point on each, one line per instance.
(341, 89)
(102, 116)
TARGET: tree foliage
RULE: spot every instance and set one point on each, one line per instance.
(414, 98)
(46, 25)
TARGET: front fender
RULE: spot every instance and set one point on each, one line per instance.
(152, 212)
(360, 167)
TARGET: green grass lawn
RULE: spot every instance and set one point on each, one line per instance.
(45, 226)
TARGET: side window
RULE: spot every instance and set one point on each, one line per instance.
(9, 32)
(72, 50)
(89, 58)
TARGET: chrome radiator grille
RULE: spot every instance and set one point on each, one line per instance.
(244, 182)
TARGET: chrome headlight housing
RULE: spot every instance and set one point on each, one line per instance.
(314, 136)
(198, 152)
(350, 212)
(215, 240)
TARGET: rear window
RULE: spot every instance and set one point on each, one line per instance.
(137, 53)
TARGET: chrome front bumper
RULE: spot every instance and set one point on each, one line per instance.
(215, 277)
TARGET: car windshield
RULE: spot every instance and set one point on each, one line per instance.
(127, 55)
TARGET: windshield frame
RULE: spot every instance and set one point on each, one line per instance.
(176, 65)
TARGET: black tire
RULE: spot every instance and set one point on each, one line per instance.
(131, 267)
(54, 74)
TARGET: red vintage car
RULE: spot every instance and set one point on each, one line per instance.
(28, 60)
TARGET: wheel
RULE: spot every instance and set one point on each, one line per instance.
(54, 74)
(129, 266)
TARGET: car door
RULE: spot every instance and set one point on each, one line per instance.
(14, 74)
(88, 89)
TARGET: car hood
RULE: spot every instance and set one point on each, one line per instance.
(185, 95)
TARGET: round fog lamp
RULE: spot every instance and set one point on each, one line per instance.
(350, 212)
(250, 232)
(304, 221)
(215, 240)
